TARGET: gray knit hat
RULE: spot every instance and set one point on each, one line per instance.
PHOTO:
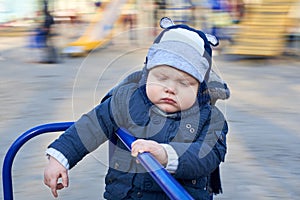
(183, 48)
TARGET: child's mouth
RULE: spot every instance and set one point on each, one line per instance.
(168, 100)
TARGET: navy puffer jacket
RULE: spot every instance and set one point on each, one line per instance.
(198, 135)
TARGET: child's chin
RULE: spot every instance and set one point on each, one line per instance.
(169, 108)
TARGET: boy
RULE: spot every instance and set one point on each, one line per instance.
(167, 107)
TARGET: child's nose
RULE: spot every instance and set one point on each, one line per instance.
(171, 89)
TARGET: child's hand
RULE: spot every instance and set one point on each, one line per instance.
(53, 171)
(157, 150)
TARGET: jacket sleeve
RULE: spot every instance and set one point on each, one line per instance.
(200, 158)
(88, 133)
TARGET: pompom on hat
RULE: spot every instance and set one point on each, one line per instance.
(183, 48)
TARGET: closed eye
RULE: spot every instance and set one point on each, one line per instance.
(161, 77)
(184, 83)
(187, 82)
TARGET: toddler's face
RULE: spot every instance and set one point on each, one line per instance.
(170, 89)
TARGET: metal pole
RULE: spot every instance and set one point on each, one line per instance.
(163, 178)
(169, 185)
(14, 148)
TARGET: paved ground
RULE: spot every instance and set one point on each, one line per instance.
(263, 113)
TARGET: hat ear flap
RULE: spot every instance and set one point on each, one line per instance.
(213, 40)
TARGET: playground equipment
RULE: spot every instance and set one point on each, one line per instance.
(99, 31)
(263, 30)
(168, 184)
(181, 11)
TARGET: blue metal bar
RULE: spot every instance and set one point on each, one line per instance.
(169, 185)
(14, 148)
(164, 179)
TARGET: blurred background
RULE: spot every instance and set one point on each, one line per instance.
(58, 58)
(244, 25)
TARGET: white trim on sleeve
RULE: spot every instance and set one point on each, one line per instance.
(59, 157)
(172, 158)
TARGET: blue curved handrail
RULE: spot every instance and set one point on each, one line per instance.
(15, 147)
(169, 185)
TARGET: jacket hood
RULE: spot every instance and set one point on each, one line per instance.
(217, 88)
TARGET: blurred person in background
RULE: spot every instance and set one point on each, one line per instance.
(49, 53)
(47, 24)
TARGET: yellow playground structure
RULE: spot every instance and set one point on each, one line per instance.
(264, 28)
(262, 31)
(99, 31)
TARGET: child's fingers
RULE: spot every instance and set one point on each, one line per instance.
(141, 146)
(136, 148)
(135, 152)
(65, 179)
(53, 187)
(54, 192)
(52, 183)
(59, 186)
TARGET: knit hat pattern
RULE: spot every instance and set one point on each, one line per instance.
(183, 48)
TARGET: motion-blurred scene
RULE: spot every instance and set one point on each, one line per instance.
(58, 59)
(245, 27)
